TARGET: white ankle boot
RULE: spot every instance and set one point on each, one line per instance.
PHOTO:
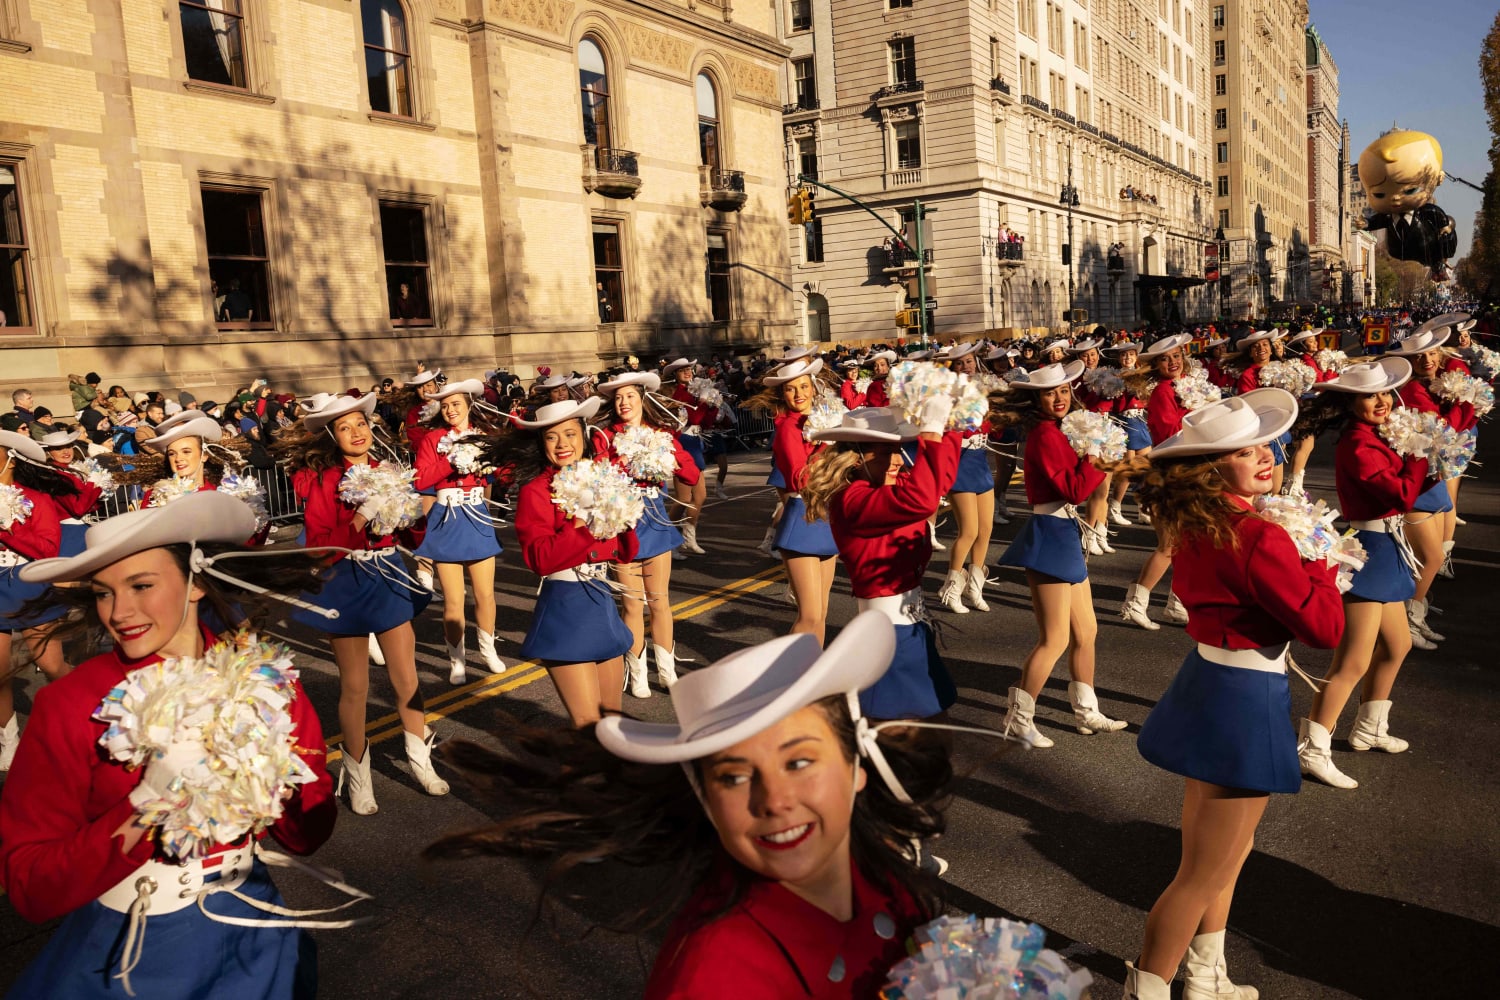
(690, 539)
(666, 664)
(10, 738)
(1174, 612)
(974, 588)
(456, 660)
(636, 678)
(1207, 976)
(1447, 568)
(1091, 546)
(1020, 724)
(1086, 711)
(1416, 617)
(1144, 986)
(1141, 517)
(487, 652)
(1315, 755)
(419, 755)
(1116, 515)
(361, 789)
(377, 655)
(937, 546)
(424, 578)
(1101, 538)
(950, 594)
(1133, 608)
(1371, 729)
(765, 543)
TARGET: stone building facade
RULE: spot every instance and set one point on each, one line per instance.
(1327, 152)
(985, 112)
(205, 191)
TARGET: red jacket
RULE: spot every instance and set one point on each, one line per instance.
(1164, 411)
(40, 535)
(790, 452)
(1372, 480)
(82, 502)
(881, 531)
(1460, 416)
(64, 799)
(552, 542)
(698, 415)
(330, 521)
(1054, 471)
(435, 472)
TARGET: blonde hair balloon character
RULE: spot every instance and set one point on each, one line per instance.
(1400, 172)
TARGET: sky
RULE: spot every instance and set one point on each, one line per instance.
(1416, 64)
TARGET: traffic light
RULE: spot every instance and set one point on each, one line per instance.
(808, 194)
(799, 207)
(906, 318)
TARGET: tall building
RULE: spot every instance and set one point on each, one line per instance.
(1360, 243)
(1260, 150)
(1000, 118)
(199, 193)
(1327, 153)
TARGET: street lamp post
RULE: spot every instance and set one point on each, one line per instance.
(1223, 267)
(1070, 200)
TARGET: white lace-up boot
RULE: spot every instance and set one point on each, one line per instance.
(487, 652)
(1133, 608)
(1207, 976)
(1371, 729)
(1315, 755)
(1174, 612)
(10, 738)
(456, 662)
(419, 756)
(1020, 722)
(361, 789)
(1416, 617)
(377, 655)
(666, 664)
(1116, 515)
(974, 588)
(1144, 986)
(937, 546)
(1447, 568)
(636, 675)
(950, 594)
(1086, 711)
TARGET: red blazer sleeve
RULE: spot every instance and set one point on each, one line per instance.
(432, 468)
(1303, 596)
(1249, 379)
(1459, 415)
(551, 543)
(308, 816)
(1072, 476)
(415, 432)
(789, 450)
(40, 536)
(327, 518)
(80, 503)
(853, 398)
(872, 511)
(1164, 412)
(1385, 477)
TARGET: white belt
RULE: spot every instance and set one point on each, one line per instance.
(649, 490)
(976, 442)
(901, 609)
(1057, 508)
(581, 574)
(169, 888)
(793, 496)
(1381, 525)
(1271, 659)
(1136, 414)
(1394, 526)
(454, 497)
(9, 558)
(693, 431)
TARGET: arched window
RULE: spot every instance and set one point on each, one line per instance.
(708, 122)
(387, 56)
(818, 329)
(593, 81)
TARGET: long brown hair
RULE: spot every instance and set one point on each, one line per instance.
(1021, 408)
(1185, 497)
(148, 467)
(296, 447)
(827, 474)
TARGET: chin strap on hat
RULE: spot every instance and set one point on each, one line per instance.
(867, 742)
(202, 562)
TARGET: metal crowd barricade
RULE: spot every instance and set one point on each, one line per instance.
(752, 429)
(281, 500)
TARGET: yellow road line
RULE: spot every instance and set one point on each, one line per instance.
(441, 706)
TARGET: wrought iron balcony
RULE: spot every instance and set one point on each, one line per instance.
(1063, 115)
(611, 172)
(1034, 102)
(1090, 129)
(998, 83)
(722, 189)
(805, 103)
(1109, 137)
(902, 87)
(1011, 254)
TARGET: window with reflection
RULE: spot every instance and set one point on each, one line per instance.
(593, 81)
(708, 123)
(15, 255)
(213, 41)
(387, 56)
(239, 261)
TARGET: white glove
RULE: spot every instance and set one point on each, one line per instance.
(932, 418)
(181, 760)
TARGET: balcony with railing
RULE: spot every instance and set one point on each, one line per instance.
(721, 189)
(999, 84)
(1086, 127)
(1034, 102)
(615, 173)
(807, 102)
(1109, 137)
(901, 88)
(1010, 254)
(900, 257)
(1062, 115)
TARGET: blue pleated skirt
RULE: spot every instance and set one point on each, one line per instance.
(1278, 447)
(974, 475)
(776, 479)
(693, 445)
(916, 685)
(654, 531)
(459, 534)
(14, 592)
(714, 444)
(1385, 577)
(1228, 726)
(367, 600)
(73, 532)
(186, 956)
(1137, 434)
(795, 537)
(1050, 545)
(576, 623)
(1435, 501)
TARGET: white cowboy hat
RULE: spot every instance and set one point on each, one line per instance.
(1464, 325)
(1421, 341)
(207, 516)
(648, 382)
(1086, 344)
(1123, 345)
(1446, 319)
(59, 439)
(469, 387)
(23, 445)
(323, 408)
(672, 366)
(1215, 342)
(996, 353)
(796, 369)
(869, 423)
(423, 378)
(1165, 344)
(552, 382)
(1381, 375)
(797, 353)
(575, 382)
(1049, 376)
(1298, 338)
(962, 350)
(1250, 418)
(753, 689)
(1055, 344)
(179, 418)
(919, 356)
(890, 357)
(206, 428)
(556, 413)
(1257, 336)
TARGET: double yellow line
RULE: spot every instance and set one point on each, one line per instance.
(388, 727)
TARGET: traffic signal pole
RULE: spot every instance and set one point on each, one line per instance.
(918, 213)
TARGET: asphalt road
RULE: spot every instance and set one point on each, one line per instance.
(1384, 893)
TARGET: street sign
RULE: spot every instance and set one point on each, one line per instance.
(931, 303)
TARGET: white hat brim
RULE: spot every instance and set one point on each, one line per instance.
(59, 439)
(963, 350)
(1446, 319)
(1070, 373)
(469, 387)
(180, 418)
(1397, 370)
(674, 366)
(1165, 344)
(649, 381)
(206, 428)
(422, 379)
(1275, 410)
(23, 445)
(1087, 344)
(794, 675)
(341, 406)
(889, 357)
(205, 516)
(576, 410)
(1439, 337)
(782, 376)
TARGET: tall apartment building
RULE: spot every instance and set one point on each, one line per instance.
(198, 193)
(1327, 210)
(1360, 243)
(996, 115)
(1260, 150)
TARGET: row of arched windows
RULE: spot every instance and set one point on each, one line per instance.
(599, 128)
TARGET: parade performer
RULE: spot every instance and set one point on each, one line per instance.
(1217, 363)
(1258, 349)
(107, 847)
(972, 498)
(354, 502)
(1094, 516)
(878, 510)
(177, 463)
(32, 495)
(1164, 412)
(643, 442)
(417, 407)
(460, 533)
(1002, 362)
(1049, 548)
(1305, 346)
(1453, 361)
(575, 629)
(689, 391)
(1225, 722)
(1376, 488)
(1131, 409)
(786, 863)
(90, 478)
